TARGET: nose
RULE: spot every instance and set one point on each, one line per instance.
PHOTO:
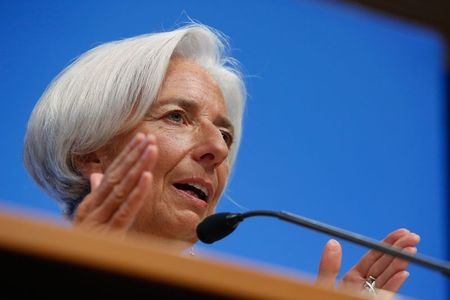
(211, 149)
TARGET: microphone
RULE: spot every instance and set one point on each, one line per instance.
(220, 225)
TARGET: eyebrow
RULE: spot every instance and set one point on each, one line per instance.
(187, 104)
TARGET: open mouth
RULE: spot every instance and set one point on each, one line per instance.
(193, 189)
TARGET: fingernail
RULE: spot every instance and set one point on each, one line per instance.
(404, 230)
(333, 244)
(144, 175)
(149, 149)
(136, 139)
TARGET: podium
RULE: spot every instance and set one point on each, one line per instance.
(42, 259)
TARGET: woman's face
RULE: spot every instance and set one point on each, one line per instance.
(193, 133)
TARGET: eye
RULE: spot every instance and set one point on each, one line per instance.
(227, 137)
(176, 116)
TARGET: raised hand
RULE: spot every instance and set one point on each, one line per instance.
(117, 195)
(389, 272)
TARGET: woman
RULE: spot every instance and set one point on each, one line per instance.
(140, 136)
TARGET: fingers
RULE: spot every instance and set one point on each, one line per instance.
(382, 264)
(120, 167)
(117, 196)
(82, 210)
(121, 192)
(330, 264)
(383, 267)
(396, 281)
(367, 261)
(84, 207)
(95, 179)
(394, 266)
(124, 217)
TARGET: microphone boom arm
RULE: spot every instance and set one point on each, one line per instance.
(443, 267)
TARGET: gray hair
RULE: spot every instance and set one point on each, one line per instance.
(107, 91)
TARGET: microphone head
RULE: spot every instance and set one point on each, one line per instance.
(217, 226)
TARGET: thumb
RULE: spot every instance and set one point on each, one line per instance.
(330, 264)
(95, 179)
(85, 205)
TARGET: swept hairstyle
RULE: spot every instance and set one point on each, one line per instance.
(106, 92)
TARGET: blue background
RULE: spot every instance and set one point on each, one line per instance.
(345, 123)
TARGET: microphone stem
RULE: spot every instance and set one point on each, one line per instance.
(443, 267)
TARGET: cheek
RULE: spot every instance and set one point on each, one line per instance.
(223, 173)
(172, 138)
(172, 148)
(222, 178)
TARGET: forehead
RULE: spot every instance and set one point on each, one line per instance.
(188, 80)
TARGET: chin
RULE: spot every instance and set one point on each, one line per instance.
(182, 227)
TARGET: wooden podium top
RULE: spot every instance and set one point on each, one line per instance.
(39, 258)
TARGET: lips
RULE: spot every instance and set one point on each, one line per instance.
(196, 187)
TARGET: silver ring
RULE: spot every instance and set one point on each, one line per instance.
(369, 285)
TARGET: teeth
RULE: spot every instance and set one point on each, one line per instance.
(202, 188)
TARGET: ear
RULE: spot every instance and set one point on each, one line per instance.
(89, 164)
